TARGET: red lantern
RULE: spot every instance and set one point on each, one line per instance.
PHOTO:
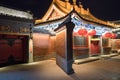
(82, 31)
(107, 34)
(113, 35)
(91, 32)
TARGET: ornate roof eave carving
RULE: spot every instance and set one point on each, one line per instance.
(85, 19)
(62, 6)
(57, 5)
(66, 8)
(78, 14)
(45, 17)
(66, 11)
(52, 21)
(96, 20)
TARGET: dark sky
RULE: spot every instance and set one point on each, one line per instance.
(102, 9)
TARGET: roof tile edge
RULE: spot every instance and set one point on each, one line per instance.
(15, 13)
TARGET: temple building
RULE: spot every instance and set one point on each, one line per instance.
(69, 32)
(15, 36)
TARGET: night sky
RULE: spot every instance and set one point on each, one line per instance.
(102, 9)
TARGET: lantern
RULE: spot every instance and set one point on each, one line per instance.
(82, 31)
(113, 35)
(107, 34)
(91, 32)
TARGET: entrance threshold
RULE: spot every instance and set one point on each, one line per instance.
(85, 60)
(89, 59)
(109, 55)
(114, 54)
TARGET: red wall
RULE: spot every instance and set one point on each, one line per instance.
(61, 43)
(52, 44)
(4, 50)
(95, 47)
(12, 45)
(43, 44)
(17, 49)
(115, 44)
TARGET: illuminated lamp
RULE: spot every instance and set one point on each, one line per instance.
(82, 31)
(107, 34)
(113, 35)
(91, 32)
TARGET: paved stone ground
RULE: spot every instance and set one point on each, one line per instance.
(104, 69)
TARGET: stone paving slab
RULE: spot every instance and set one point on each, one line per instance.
(103, 69)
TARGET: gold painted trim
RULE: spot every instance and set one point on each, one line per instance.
(65, 7)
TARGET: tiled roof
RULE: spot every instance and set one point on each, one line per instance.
(65, 7)
(15, 13)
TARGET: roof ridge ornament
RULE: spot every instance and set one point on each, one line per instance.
(74, 2)
(80, 5)
(53, 0)
(67, 4)
(88, 10)
(67, 0)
